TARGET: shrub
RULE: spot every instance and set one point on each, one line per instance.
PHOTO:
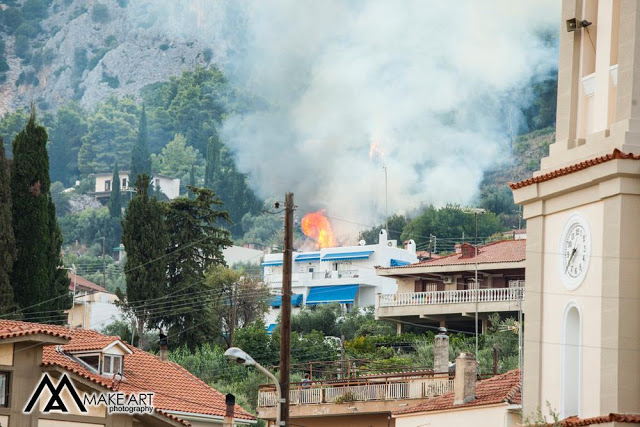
(164, 46)
(208, 54)
(22, 46)
(112, 81)
(27, 29)
(100, 13)
(3, 65)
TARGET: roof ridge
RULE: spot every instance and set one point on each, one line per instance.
(566, 170)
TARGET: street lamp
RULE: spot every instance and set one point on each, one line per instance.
(235, 354)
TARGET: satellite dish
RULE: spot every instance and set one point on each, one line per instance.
(362, 243)
(389, 244)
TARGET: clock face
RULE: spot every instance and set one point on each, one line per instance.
(575, 251)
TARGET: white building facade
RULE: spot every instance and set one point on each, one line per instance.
(344, 275)
(103, 184)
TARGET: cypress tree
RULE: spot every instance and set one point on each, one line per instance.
(140, 158)
(7, 240)
(115, 200)
(213, 160)
(58, 279)
(192, 182)
(35, 277)
(145, 240)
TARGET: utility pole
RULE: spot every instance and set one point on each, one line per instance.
(475, 245)
(285, 311)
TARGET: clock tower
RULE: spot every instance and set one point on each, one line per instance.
(582, 303)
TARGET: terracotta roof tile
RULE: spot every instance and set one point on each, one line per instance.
(175, 388)
(504, 388)
(19, 329)
(603, 419)
(82, 283)
(500, 251)
(617, 154)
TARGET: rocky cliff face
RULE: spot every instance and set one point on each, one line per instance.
(96, 49)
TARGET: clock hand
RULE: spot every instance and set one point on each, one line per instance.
(573, 253)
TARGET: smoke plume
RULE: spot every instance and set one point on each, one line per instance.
(431, 83)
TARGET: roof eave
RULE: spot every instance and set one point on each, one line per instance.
(41, 338)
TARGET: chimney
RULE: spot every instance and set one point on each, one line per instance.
(230, 401)
(441, 352)
(410, 245)
(382, 237)
(458, 248)
(164, 346)
(465, 379)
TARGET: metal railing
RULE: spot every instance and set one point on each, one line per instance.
(450, 297)
(342, 393)
(347, 274)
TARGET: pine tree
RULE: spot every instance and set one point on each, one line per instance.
(115, 200)
(7, 240)
(140, 158)
(145, 239)
(36, 277)
(192, 227)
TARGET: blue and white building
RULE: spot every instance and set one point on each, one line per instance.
(345, 275)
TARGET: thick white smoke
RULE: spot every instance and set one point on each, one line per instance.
(428, 81)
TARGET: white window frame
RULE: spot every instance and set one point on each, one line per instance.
(111, 362)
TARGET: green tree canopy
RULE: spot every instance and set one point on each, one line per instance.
(140, 158)
(7, 240)
(36, 277)
(396, 225)
(66, 140)
(115, 199)
(145, 237)
(449, 225)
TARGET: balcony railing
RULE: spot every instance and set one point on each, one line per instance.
(367, 391)
(451, 297)
(348, 274)
(340, 274)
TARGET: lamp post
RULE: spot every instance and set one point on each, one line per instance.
(239, 356)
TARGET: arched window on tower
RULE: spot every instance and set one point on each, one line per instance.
(571, 361)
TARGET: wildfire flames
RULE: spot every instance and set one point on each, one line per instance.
(318, 227)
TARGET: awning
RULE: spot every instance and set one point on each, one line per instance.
(344, 256)
(271, 263)
(398, 263)
(296, 300)
(308, 256)
(270, 328)
(343, 294)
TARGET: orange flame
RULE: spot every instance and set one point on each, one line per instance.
(375, 152)
(318, 227)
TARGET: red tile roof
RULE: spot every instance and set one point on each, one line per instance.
(84, 284)
(20, 329)
(504, 388)
(617, 154)
(500, 251)
(603, 419)
(175, 389)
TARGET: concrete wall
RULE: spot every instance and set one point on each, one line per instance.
(494, 416)
(345, 420)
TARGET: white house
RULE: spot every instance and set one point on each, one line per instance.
(94, 306)
(345, 275)
(169, 186)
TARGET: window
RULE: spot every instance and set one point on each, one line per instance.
(124, 182)
(91, 360)
(107, 185)
(4, 389)
(310, 270)
(111, 364)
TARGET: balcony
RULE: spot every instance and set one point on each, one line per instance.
(450, 302)
(372, 394)
(340, 274)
